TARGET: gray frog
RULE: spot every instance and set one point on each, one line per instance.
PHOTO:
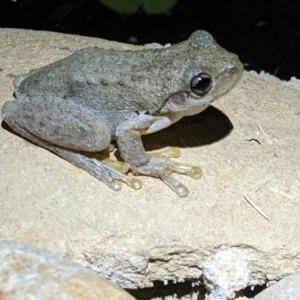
(78, 105)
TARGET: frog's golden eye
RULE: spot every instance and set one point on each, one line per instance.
(201, 84)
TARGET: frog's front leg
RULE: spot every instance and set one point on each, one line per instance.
(66, 128)
(133, 152)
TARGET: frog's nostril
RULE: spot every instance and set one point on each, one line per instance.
(233, 70)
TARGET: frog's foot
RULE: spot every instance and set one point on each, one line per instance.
(163, 168)
(99, 166)
(121, 166)
(21, 117)
(170, 152)
(108, 171)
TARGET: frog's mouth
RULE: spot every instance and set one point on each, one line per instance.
(175, 116)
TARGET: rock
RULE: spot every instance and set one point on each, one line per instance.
(225, 274)
(247, 144)
(30, 273)
(287, 288)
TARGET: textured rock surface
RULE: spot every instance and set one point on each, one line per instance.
(286, 289)
(30, 273)
(226, 273)
(247, 144)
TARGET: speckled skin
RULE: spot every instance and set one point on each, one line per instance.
(94, 96)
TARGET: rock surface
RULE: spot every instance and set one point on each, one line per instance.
(225, 274)
(30, 273)
(286, 289)
(247, 144)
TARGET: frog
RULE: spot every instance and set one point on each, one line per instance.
(80, 105)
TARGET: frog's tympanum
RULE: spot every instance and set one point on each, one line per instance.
(78, 105)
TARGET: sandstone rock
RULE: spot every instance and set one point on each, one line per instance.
(247, 144)
(30, 273)
(287, 288)
(225, 274)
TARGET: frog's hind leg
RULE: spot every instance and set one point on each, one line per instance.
(25, 118)
(100, 169)
(59, 121)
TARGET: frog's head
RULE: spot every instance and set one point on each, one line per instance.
(210, 71)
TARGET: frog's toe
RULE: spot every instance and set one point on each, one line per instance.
(136, 184)
(195, 172)
(176, 186)
(115, 185)
(182, 190)
(163, 168)
(170, 152)
(192, 171)
(117, 175)
(116, 179)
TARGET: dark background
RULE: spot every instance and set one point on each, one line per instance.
(264, 34)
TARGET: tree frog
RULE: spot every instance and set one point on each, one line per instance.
(80, 104)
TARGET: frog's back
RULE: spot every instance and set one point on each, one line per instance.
(88, 65)
(101, 73)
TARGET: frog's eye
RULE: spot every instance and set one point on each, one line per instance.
(201, 83)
